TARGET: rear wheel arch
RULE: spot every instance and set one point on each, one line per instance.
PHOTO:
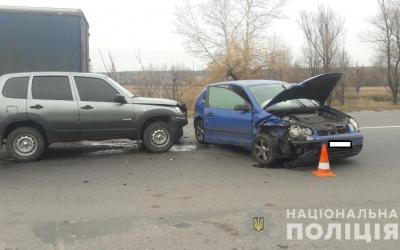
(25, 143)
(28, 123)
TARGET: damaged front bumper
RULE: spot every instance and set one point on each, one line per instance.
(176, 124)
(308, 151)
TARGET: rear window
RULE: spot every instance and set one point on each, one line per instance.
(51, 88)
(16, 88)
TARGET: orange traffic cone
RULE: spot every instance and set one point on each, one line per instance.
(324, 170)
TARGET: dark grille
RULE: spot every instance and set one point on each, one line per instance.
(323, 132)
(341, 152)
(333, 131)
(342, 130)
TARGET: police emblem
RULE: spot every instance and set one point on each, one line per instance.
(258, 223)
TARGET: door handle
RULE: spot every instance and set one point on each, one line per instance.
(210, 114)
(87, 107)
(37, 106)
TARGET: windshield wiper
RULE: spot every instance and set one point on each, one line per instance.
(301, 103)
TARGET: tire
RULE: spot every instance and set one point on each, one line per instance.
(157, 138)
(25, 144)
(199, 131)
(264, 150)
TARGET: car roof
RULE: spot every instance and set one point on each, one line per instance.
(246, 83)
(52, 73)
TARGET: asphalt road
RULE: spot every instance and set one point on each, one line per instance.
(114, 196)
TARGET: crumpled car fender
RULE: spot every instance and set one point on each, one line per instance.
(275, 126)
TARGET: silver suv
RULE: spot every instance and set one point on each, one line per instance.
(38, 109)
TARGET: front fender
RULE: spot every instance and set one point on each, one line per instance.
(145, 114)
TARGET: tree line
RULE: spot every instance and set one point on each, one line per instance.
(231, 37)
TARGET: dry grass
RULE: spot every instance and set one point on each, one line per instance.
(369, 98)
(189, 97)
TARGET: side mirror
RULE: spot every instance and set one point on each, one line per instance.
(120, 99)
(243, 107)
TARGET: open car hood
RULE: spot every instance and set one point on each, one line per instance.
(317, 88)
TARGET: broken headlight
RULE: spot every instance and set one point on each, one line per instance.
(297, 132)
(181, 109)
(353, 125)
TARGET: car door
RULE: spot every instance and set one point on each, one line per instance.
(223, 123)
(100, 116)
(51, 103)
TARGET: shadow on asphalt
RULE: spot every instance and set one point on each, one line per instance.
(77, 150)
(116, 149)
(335, 163)
(246, 153)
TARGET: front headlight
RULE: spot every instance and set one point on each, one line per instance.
(306, 132)
(353, 125)
(179, 111)
(296, 132)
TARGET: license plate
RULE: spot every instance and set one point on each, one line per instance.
(339, 144)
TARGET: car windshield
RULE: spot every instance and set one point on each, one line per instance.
(264, 94)
(120, 88)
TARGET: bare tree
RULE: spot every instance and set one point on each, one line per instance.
(323, 31)
(148, 79)
(344, 65)
(359, 77)
(279, 60)
(394, 87)
(312, 60)
(228, 33)
(109, 66)
(176, 81)
(386, 36)
(166, 81)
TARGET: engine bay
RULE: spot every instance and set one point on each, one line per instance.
(323, 121)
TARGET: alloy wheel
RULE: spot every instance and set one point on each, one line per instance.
(261, 150)
(199, 131)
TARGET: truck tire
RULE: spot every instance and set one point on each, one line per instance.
(25, 144)
(157, 137)
(264, 150)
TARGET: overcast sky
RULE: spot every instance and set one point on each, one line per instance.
(123, 27)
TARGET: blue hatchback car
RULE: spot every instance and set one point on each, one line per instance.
(276, 120)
